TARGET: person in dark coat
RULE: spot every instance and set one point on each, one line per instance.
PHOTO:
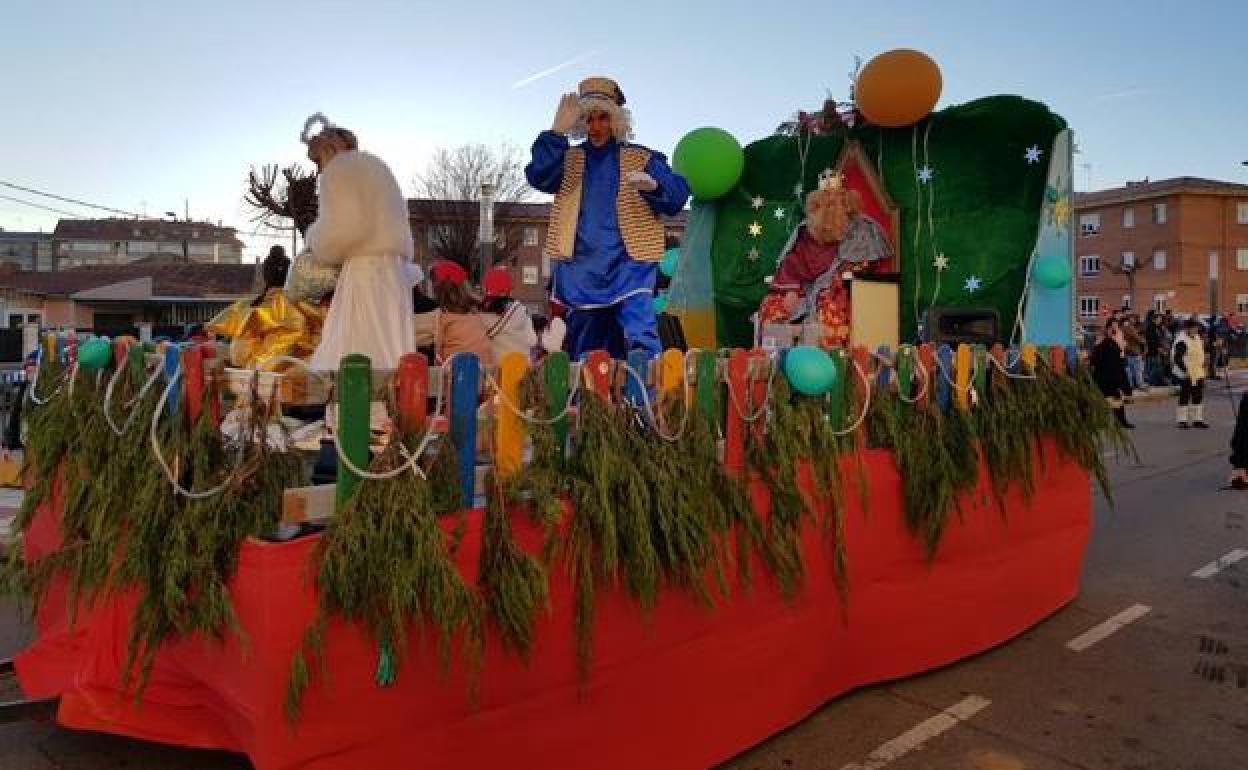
(1109, 368)
(1239, 446)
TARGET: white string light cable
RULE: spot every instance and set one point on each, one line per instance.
(649, 406)
(762, 409)
(160, 457)
(523, 414)
(866, 401)
(1005, 368)
(34, 383)
(108, 399)
(411, 460)
(919, 367)
(970, 383)
(73, 375)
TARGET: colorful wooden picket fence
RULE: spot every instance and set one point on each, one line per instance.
(730, 388)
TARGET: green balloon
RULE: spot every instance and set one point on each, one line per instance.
(710, 160)
(660, 303)
(1052, 271)
(671, 258)
(809, 370)
(95, 353)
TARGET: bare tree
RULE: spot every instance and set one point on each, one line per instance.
(285, 203)
(451, 183)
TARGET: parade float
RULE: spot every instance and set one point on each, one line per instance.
(599, 563)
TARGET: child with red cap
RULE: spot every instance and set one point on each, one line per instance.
(457, 326)
(507, 321)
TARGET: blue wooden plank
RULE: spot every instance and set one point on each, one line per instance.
(465, 385)
(884, 373)
(639, 362)
(944, 391)
(173, 360)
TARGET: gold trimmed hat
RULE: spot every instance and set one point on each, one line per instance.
(601, 88)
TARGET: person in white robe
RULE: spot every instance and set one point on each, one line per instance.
(362, 227)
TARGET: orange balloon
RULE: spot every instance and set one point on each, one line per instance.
(898, 88)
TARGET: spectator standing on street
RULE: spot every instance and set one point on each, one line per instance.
(1109, 368)
(1135, 352)
(1152, 349)
(1188, 367)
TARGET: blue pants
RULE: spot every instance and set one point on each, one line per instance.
(618, 329)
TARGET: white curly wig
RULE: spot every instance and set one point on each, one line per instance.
(602, 94)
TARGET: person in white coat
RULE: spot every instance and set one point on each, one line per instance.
(362, 226)
(1188, 367)
(507, 321)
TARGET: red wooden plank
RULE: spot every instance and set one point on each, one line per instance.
(413, 392)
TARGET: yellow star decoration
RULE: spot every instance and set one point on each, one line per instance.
(756, 229)
(1061, 212)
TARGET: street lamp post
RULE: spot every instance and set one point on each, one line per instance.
(486, 233)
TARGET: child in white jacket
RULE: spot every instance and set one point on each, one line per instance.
(507, 321)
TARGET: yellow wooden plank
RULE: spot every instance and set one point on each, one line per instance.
(671, 372)
(1029, 357)
(509, 450)
(963, 390)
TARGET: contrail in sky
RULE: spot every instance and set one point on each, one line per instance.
(1127, 93)
(552, 70)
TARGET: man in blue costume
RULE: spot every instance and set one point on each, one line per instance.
(605, 236)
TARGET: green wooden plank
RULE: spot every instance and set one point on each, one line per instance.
(355, 385)
(556, 370)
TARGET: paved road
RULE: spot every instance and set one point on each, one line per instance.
(1168, 689)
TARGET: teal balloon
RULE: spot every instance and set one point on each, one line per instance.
(671, 258)
(809, 370)
(660, 303)
(711, 161)
(1052, 271)
(95, 353)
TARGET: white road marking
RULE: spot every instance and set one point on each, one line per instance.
(921, 733)
(1097, 633)
(1214, 567)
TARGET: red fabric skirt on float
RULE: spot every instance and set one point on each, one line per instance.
(686, 687)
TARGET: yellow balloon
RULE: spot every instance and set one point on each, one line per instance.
(898, 88)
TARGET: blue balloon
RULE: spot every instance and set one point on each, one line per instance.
(809, 370)
(1052, 271)
(671, 258)
(660, 303)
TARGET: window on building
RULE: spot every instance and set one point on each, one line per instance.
(141, 247)
(1241, 303)
(1128, 217)
(1089, 307)
(1159, 259)
(201, 249)
(1241, 212)
(1159, 213)
(1090, 265)
(1241, 259)
(1089, 224)
(530, 236)
(1128, 260)
(545, 264)
(530, 275)
(91, 247)
(1126, 302)
(1159, 303)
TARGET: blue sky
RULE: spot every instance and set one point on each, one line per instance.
(140, 105)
